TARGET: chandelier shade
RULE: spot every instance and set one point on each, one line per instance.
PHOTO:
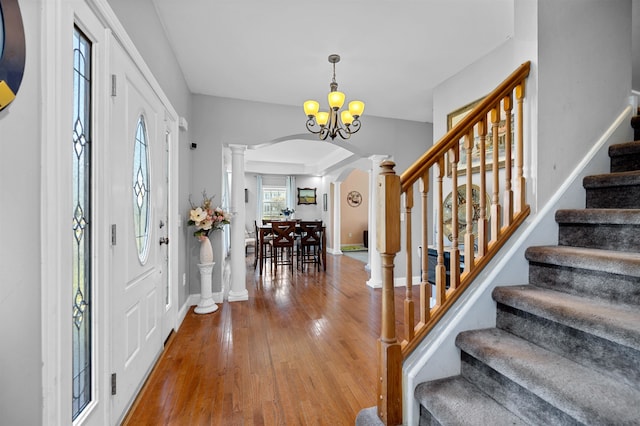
(331, 124)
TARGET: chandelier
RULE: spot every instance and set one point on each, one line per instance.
(329, 123)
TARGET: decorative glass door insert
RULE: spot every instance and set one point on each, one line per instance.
(81, 220)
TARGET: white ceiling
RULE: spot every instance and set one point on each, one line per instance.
(394, 52)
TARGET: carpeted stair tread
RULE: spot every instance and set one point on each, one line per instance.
(609, 180)
(625, 148)
(599, 216)
(613, 322)
(583, 393)
(456, 401)
(610, 261)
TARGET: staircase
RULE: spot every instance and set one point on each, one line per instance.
(566, 347)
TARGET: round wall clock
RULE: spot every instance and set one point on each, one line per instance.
(354, 198)
(12, 51)
(448, 212)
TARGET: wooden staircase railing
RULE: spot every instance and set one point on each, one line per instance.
(483, 139)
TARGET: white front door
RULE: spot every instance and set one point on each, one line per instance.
(139, 263)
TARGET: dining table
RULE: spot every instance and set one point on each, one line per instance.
(265, 229)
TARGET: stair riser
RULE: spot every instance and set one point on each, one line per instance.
(626, 163)
(613, 359)
(426, 419)
(602, 236)
(514, 397)
(588, 283)
(614, 197)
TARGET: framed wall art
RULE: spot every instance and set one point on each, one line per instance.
(455, 117)
(307, 196)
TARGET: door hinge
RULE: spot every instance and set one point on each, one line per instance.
(113, 234)
(114, 91)
(113, 383)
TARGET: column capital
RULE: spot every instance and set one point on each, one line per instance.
(237, 149)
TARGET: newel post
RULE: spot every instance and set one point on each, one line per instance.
(388, 244)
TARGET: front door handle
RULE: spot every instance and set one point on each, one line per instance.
(164, 240)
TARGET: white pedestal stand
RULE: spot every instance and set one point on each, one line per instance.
(206, 305)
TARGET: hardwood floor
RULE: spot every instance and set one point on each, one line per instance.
(300, 351)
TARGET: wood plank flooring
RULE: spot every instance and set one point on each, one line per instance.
(300, 351)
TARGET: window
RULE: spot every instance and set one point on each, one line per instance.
(81, 228)
(141, 206)
(273, 201)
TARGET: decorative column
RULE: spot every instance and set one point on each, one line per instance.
(206, 304)
(238, 291)
(375, 265)
(336, 219)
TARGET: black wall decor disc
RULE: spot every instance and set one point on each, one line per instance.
(12, 53)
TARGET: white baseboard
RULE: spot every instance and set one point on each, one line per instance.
(192, 300)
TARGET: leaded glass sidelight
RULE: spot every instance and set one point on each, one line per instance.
(141, 206)
(81, 223)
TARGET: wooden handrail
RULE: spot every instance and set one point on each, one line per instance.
(485, 226)
(450, 139)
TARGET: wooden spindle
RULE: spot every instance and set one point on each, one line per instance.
(454, 272)
(496, 220)
(520, 181)
(409, 307)
(469, 242)
(483, 236)
(425, 286)
(507, 105)
(441, 272)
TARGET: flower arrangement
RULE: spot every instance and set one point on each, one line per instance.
(287, 211)
(206, 218)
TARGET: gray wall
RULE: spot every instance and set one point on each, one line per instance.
(584, 79)
(20, 213)
(140, 20)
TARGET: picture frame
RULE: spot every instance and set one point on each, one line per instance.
(455, 117)
(324, 202)
(307, 196)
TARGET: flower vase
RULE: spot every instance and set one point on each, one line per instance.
(206, 251)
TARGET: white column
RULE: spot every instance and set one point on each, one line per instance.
(238, 291)
(375, 266)
(336, 219)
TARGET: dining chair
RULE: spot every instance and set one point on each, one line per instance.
(264, 246)
(309, 248)
(250, 241)
(282, 243)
